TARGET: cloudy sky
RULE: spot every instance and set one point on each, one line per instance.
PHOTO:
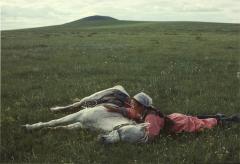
(16, 14)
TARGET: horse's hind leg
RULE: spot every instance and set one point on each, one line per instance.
(72, 118)
(86, 101)
(76, 125)
(68, 108)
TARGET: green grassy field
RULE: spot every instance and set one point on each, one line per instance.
(186, 67)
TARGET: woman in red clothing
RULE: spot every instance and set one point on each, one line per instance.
(142, 110)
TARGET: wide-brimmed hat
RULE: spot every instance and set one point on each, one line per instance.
(143, 99)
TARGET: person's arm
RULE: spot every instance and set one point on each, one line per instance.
(121, 110)
(126, 112)
(156, 123)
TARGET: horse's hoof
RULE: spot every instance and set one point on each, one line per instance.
(54, 109)
(25, 127)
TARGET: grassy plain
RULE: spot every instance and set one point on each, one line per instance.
(187, 67)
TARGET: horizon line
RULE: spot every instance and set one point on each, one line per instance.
(11, 29)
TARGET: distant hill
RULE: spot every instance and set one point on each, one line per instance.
(98, 18)
(95, 20)
(98, 21)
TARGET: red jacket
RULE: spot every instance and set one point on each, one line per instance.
(182, 123)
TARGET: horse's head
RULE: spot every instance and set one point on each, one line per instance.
(128, 133)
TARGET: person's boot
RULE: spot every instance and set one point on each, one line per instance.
(234, 118)
(220, 116)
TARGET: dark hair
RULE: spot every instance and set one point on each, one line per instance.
(168, 123)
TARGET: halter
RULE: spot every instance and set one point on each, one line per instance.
(117, 128)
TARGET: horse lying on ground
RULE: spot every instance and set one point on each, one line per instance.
(117, 127)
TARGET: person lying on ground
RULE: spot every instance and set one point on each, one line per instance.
(142, 110)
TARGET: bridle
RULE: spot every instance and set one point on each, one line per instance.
(117, 128)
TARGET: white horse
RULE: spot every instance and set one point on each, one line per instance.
(117, 127)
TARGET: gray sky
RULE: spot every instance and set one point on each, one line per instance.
(17, 14)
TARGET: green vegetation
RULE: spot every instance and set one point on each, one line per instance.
(186, 67)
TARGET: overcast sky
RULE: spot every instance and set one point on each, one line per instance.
(16, 14)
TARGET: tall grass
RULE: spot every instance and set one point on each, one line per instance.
(192, 68)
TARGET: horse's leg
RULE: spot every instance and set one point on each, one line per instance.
(67, 119)
(89, 100)
(76, 125)
(68, 108)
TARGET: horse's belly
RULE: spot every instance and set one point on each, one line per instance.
(98, 118)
